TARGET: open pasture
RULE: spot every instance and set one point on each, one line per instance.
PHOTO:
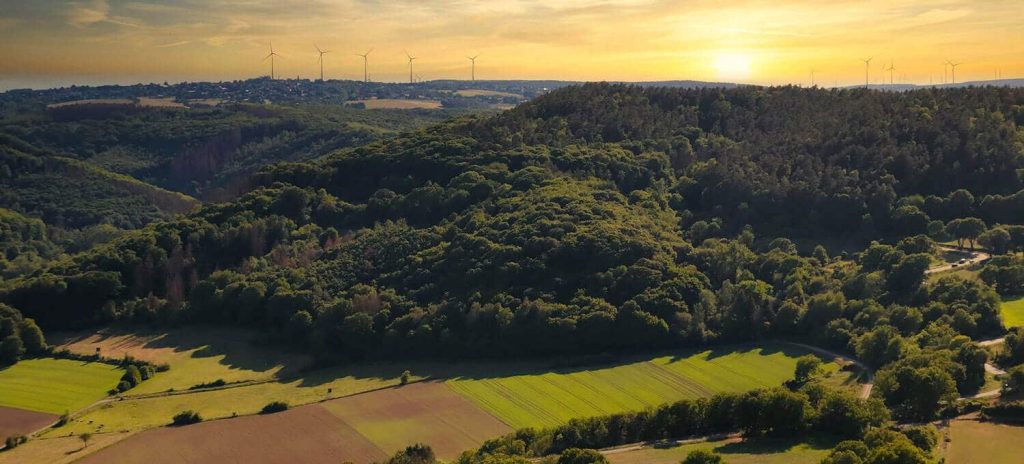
(56, 386)
(58, 450)
(732, 450)
(1012, 311)
(155, 411)
(972, 441)
(485, 93)
(399, 104)
(197, 355)
(545, 399)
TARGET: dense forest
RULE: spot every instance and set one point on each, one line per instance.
(603, 218)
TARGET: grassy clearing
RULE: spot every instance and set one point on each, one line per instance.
(734, 451)
(135, 414)
(984, 442)
(1012, 311)
(197, 355)
(399, 104)
(60, 450)
(56, 385)
(544, 399)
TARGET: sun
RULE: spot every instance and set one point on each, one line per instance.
(732, 66)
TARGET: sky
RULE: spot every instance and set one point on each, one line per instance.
(47, 43)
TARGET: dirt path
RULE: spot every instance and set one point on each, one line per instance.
(866, 387)
(974, 257)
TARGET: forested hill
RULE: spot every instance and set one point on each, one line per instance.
(595, 218)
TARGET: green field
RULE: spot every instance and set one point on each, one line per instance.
(552, 398)
(519, 394)
(134, 414)
(733, 451)
(195, 356)
(1012, 311)
(983, 442)
(56, 385)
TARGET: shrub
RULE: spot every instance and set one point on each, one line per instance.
(702, 457)
(186, 418)
(405, 377)
(274, 406)
(1007, 412)
(215, 383)
(581, 456)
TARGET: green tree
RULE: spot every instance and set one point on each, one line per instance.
(581, 456)
(11, 350)
(966, 229)
(703, 457)
(32, 337)
(807, 367)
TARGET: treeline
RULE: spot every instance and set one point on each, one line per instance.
(19, 337)
(777, 413)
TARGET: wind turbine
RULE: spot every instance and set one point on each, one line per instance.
(366, 74)
(952, 67)
(411, 59)
(891, 68)
(272, 55)
(320, 60)
(867, 67)
(473, 60)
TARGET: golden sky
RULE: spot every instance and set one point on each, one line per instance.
(762, 42)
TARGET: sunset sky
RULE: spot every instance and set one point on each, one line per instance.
(49, 42)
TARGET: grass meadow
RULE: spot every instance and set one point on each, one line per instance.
(552, 398)
(733, 451)
(56, 385)
(1012, 311)
(195, 356)
(972, 442)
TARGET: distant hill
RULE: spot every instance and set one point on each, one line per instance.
(984, 83)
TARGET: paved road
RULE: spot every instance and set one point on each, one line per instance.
(978, 257)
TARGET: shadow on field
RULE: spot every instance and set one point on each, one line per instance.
(237, 348)
(769, 446)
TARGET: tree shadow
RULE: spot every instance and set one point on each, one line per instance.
(775, 445)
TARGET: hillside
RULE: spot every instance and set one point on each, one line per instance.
(597, 221)
(630, 227)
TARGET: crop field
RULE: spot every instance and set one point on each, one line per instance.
(140, 413)
(55, 386)
(399, 104)
(196, 356)
(733, 451)
(551, 398)
(485, 93)
(312, 432)
(17, 422)
(1012, 311)
(972, 441)
(424, 412)
(59, 450)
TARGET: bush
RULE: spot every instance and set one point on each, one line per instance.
(186, 418)
(215, 383)
(581, 456)
(274, 406)
(702, 457)
(405, 377)
(12, 442)
(1005, 412)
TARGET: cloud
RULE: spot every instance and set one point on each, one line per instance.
(86, 13)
